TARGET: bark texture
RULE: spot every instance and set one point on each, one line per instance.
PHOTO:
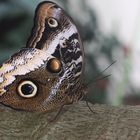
(75, 122)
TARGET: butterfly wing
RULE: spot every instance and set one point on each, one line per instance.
(48, 72)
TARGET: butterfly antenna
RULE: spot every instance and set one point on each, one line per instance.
(105, 69)
(101, 78)
(97, 78)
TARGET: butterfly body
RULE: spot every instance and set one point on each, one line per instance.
(47, 74)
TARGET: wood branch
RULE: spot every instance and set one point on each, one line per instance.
(75, 122)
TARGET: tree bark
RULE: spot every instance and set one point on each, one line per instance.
(75, 122)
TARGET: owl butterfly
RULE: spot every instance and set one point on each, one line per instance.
(47, 73)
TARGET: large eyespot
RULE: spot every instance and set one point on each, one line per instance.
(27, 89)
(52, 22)
(54, 65)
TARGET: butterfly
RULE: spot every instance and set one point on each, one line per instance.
(48, 72)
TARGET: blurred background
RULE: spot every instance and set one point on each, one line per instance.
(110, 31)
